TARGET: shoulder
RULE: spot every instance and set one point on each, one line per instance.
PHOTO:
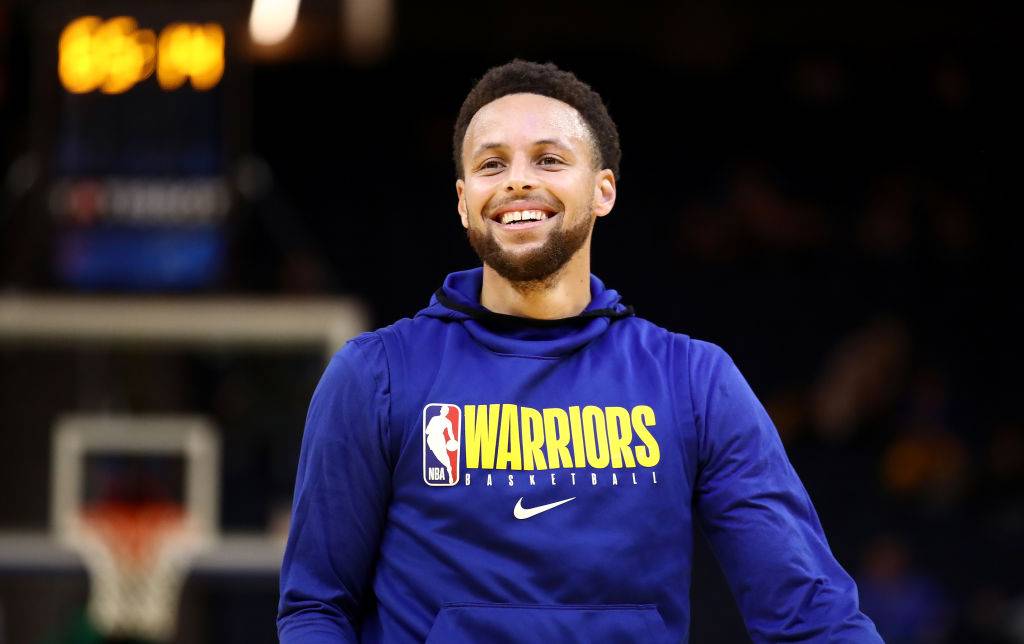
(705, 358)
(374, 345)
(699, 367)
(392, 351)
(359, 350)
(699, 354)
(643, 331)
(406, 331)
(362, 360)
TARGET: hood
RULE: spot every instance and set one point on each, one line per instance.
(458, 301)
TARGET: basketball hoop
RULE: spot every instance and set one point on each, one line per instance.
(137, 555)
(136, 497)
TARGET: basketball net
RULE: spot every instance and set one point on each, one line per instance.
(137, 556)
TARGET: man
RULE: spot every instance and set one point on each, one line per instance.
(588, 440)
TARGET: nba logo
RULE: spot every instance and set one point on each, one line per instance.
(442, 444)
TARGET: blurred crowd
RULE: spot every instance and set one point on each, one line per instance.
(869, 320)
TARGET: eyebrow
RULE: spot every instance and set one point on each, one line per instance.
(491, 146)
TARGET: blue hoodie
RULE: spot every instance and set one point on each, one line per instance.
(467, 476)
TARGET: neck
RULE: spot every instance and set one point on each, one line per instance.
(563, 294)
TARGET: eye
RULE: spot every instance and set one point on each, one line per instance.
(491, 164)
(553, 159)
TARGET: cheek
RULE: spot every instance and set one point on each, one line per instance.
(476, 196)
(474, 207)
(575, 195)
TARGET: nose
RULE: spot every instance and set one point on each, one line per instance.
(518, 186)
(519, 176)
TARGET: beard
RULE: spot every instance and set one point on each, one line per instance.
(534, 266)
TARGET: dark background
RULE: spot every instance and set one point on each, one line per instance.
(811, 186)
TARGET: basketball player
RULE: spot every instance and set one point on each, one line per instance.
(592, 441)
(437, 429)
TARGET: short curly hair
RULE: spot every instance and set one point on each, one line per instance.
(522, 76)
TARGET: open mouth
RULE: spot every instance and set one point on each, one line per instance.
(522, 218)
(523, 214)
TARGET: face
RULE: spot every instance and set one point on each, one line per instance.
(531, 194)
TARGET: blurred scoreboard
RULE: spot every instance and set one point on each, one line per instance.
(138, 112)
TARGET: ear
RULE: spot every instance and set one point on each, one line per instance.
(604, 192)
(460, 187)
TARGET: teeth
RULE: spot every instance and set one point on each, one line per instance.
(523, 215)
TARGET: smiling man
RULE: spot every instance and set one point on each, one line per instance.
(525, 460)
(532, 184)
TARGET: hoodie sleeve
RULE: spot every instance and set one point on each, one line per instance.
(759, 520)
(342, 491)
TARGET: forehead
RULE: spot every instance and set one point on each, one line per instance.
(521, 119)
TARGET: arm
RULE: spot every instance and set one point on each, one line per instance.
(342, 491)
(759, 519)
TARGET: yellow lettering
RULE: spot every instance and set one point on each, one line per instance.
(556, 437)
(596, 436)
(533, 438)
(510, 456)
(648, 456)
(481, 434)
(579, 458)
(619, 436)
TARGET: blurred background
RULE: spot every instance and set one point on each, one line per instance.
(190, 231)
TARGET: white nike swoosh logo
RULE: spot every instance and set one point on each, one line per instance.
(525, 513)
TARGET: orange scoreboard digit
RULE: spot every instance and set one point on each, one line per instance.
(113, 55)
